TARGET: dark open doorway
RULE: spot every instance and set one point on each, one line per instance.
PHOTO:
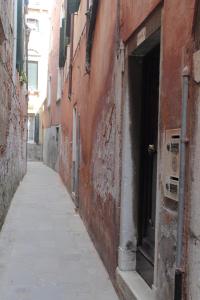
(75, 156)
(144, 85)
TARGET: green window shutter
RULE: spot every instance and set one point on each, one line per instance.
(68, 27)
(20, 36)
(62, 52)
(90, 33)
(73, 6)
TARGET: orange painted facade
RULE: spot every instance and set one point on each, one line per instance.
(99, 98)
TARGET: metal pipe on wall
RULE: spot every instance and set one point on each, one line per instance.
(181, 204)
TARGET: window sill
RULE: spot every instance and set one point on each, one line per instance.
(34, 93)
(133, 287)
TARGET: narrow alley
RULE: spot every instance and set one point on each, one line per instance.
(45, 251)
(99, 149)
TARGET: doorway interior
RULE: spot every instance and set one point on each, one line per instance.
(75, 156)
(144, 74)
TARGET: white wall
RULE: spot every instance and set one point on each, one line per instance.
(38, 51)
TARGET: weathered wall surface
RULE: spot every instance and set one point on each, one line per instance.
(194, 171)
(94, 97)
(51, 114)
(98, 99)
(194, 232)
(175, 56)
(133, 13)
(51, 147)
(13, 119)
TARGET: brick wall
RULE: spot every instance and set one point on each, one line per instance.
(13, 119)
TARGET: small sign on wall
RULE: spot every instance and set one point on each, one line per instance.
(141, 37)
(171, 163)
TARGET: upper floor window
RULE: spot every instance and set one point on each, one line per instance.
(33, 75)
(33, 24)
(196, 28)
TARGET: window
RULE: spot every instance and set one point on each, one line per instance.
(62, 48)
(33, 24)
(196, 28)
(90, 31)
(59, 84)
(20, 37)
(2, 34)
(32, 75)
(73, 6)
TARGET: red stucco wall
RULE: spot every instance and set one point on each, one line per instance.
(94, 95)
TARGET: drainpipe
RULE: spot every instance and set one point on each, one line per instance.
(180, 267)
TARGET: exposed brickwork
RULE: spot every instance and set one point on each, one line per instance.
(13, 110)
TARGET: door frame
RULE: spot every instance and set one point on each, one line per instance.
(146, 37)
(146, 136)
(75, 155)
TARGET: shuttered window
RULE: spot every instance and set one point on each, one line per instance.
(33, 75)
(73, 6)
(20, 36)
(90, 32)
(63, 43)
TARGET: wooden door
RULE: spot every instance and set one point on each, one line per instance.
(148, 165)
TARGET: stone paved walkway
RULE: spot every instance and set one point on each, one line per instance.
(45, 251)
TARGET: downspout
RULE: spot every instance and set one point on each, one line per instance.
(180, 267)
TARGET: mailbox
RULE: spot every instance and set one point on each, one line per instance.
(172, 162)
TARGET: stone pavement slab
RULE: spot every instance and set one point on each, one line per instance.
(45, 250)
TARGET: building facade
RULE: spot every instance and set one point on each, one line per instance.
(38, 22)
(122, 128)
(13, 99)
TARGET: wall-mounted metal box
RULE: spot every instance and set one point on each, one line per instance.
(171, 163)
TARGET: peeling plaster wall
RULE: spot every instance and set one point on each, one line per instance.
(176, 36)
(175, 51)
(194, 229)
(98, 98)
